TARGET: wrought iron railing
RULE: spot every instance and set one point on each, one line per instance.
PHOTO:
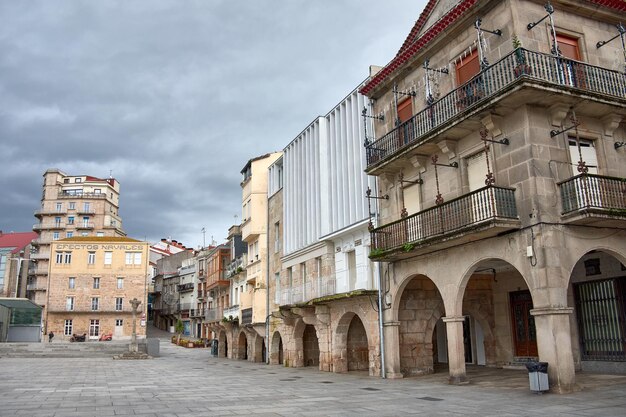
(231, 312)
(520, 64)
(588, 191)
(465, 212)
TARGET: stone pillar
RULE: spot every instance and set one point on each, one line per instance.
(133, 338)
(554, 344)
(392, 350)
(456, 349)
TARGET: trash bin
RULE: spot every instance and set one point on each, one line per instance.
(214, 348)
(538, 376)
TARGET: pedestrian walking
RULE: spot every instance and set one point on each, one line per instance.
(50, 336)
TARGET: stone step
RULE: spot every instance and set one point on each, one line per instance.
(66, 350)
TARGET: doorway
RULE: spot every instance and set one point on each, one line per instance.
(524, 333)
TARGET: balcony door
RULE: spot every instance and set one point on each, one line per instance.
(585, 191)
(572, 72)
(476, 174)
(405, 112)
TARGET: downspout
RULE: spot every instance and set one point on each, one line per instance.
(267, 285)
(383, 373)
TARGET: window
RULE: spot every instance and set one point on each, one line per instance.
(588, 152)
(405, 110)
(276, 237)
(57, 222)
(91, 258)
(351, 270)
(100, 234)
(71, 283)
(67, 257)
(94, 328)
(119, 322)
(55, 235)
(78, 180)
(96, 283)
(95, 303)
(70, 220)
(120, 283)
(133, 258)
(59, 257)
(67, 329)
(118, 303)
(69, 303)
(86, 207)
(59, 207)
(72, 205)
(304, 280)
(277, 286)
(84, 233)
(69, 234)
(592, 267)
(86, 221)
(108, 258)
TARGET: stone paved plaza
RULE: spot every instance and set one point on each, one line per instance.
(188, 382)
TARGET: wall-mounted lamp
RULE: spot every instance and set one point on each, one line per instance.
(619, 145)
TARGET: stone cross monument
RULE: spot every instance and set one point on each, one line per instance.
(133, 339)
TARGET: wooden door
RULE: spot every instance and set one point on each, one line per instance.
(524, 333)
(405, 112)
(573, 71)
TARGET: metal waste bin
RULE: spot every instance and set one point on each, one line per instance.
(538, 376)
(214, 348)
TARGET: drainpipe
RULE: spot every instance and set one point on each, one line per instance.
(267, 285)
(377, 267)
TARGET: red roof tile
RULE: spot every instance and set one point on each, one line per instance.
(16, 240)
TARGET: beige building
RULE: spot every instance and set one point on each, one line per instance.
(92, 280)
(500, 156)
(71, 206)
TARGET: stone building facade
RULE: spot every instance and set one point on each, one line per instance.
(92, 280)
(499, 154)
(71, 205)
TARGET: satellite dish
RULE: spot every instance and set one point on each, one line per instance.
(169, 298)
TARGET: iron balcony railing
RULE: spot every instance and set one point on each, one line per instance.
(596, 192)
(519, 65)
(189, 286)
(468, 211)
(231, 312)
(213, 314)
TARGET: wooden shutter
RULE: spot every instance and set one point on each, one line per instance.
(568, 47)
(405, 110)
(467, 67)
(476, 171)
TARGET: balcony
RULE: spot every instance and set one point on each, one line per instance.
(520, 67)
(246, 316)
(213, 314)
(43, 212)
(231, 312)
(86, 211)
(237, 266)
(483, 213)
(593, 200)
(186, 287)
(49, 226)
(198, 312)
(39, 256)
(309, 291)
(41, 241)
(65, 194)
(34, 287)
(84, 225)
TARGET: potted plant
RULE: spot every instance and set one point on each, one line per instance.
(521, 67)
(179, 328)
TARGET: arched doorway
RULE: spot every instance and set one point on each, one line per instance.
(597, 291)
(276, 350)
(419, 309)
(222, 345)
(498, 326)
(242, 347)
(310, 345)
(358, 347)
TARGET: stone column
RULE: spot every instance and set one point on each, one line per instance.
(456, 349)
(392, 350)
(133, 338)
(554, 344)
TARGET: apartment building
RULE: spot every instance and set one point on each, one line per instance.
(71, 206)
(500, 159)
(91, 283)
(167, 308)
(15, 263)
(216, 287)
(325, 286)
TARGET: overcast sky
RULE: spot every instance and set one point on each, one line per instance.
(174, 97)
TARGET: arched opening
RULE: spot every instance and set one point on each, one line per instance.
(499, 328)
(276, 349)
(311, 349)
(242, 347)
(597, 291)
(263, 351)
(419, 308)
(222, 345)
(358, 347)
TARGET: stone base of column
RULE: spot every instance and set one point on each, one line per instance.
(458, 380)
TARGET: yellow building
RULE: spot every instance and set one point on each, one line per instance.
(92, 280)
